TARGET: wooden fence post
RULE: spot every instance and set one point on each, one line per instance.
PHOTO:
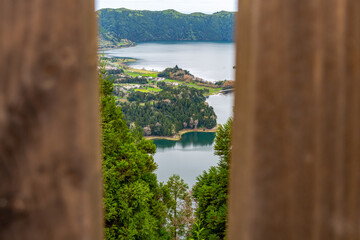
(50, 163)
(296, 138)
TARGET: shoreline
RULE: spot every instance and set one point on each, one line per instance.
(116, 47)
(178, 136)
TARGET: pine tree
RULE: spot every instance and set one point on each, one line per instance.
(180, 211)
(133, 199)
(210, 191)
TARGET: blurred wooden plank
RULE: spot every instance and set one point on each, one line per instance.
(296, 139)
(50, 169)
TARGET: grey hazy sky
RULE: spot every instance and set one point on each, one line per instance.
(184, 6)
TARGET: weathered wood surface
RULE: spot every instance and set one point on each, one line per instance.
(296, 140)
(50, 171)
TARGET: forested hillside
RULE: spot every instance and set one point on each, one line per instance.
(134, 201)
(168, 25)
(169, 111)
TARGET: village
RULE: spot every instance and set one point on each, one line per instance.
(127, 80)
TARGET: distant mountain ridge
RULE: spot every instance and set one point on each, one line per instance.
(167, 25)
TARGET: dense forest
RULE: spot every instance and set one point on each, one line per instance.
(166, 112)
(136, 205)
(115, 25)
(134, 201)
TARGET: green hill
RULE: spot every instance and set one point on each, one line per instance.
(168, 25)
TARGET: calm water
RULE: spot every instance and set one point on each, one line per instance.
(223, 106)
(209, 60)
(187, 157)
(194, 153)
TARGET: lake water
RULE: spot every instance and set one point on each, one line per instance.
(194, 153)
(209, 60)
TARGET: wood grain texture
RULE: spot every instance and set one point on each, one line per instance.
(296, 139)
(50, 169)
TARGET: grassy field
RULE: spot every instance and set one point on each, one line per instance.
(154, 89)
(126, 60)
(211, 90)
(174, 81)
(149, 89)
(142, 90)
(141, 72)
(146, 73)
(214, 90)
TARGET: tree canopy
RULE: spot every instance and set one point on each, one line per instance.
(180, 211)
(169, 25)
(167, 112)
(133, 199)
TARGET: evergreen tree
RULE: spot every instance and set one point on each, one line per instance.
(180, 211)
(133, 199)
(169, 111)
(210, 191)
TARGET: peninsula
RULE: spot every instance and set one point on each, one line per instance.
(163, 104)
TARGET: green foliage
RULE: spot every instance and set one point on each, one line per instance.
(166, 112)
(109, 40)
(198, 230)
(174, 73)
(210, 191)
(133, 199)
(222, 145)
(168, 25)
(117, 71)
(180, 212)
(133, 80)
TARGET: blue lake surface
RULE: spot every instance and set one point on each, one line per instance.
(211, 61)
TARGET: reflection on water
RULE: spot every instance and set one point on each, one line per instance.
(188, 157)
(194, 153)
(189, 141)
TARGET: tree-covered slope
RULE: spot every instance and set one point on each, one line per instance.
(168, 25)
(133, 199)
(169, 111)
